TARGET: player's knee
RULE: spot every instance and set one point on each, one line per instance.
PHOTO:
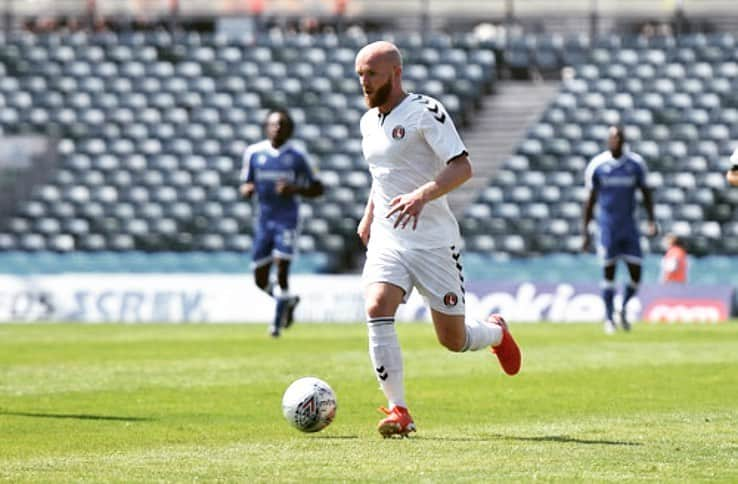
(451, 343)
(261, 282)
(374, 309)
(377, 308)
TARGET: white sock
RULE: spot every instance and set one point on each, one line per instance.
(280, 294)
(384, 350)
(481, 334)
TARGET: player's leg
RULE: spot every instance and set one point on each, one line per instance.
(290, 299)
(631, 288)
(608, 295)
(382, 300)
(261, 277)
(438, 275)
(386, 286)
(284, 249)
(261, 263)
(633, 258)
(459, 333)
(608, 253)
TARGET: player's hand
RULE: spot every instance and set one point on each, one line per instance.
(407, 207)
(246, 190)
(285, 188)
(364, 229)
(653, 229)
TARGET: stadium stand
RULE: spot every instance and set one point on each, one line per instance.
(151, 126)
(677, 99)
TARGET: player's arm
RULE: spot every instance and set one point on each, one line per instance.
(408, 206)
(305, 184)
(311, 190)
(648, 204)
(247, 189)
(365, 224)
(589, 204)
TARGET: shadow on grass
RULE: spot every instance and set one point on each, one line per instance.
(337, 437)
(77, 416)
(566, 439)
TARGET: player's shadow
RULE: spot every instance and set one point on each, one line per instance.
(76, 416)
(566, 439)
(337, 437)
(544, 438)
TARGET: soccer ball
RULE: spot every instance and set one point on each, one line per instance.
(309, 404)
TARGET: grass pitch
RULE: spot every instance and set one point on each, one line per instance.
(132, 403)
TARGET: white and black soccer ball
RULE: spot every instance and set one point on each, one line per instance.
(309, 404)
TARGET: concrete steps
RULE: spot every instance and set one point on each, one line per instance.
(499, 126)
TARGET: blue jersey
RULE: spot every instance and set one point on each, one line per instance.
(616, 181)
(264, 165)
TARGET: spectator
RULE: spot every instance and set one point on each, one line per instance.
(674, 263)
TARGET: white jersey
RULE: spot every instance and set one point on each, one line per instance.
(734, 157)
(407, 148)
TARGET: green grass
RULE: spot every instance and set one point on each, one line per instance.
(132, 403)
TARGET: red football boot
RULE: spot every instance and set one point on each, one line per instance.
(397, 422)
(507, 351)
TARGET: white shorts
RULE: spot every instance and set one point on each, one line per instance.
(436, 273)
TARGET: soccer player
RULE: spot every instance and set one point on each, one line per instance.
(415, 157)
(278, 173)
(612, 178)
(732, 174)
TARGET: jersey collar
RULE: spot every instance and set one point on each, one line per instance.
(383, 116)
(277, 151)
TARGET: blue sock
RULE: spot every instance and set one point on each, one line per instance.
(608, 295)
(281, 307)
(630, 289)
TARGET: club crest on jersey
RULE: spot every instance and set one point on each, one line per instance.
(450, 299)
(398, 132)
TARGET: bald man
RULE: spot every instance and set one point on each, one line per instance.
(415, 157)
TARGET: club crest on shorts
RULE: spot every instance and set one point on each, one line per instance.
(398, 132)
(450, 299)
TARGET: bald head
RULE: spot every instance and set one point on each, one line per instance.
(381, 51)
(379, 67)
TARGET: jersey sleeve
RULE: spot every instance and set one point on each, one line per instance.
(247, 174)
(642, 171)
(734, 157)
(305, 170)
(590, 178)
(439, 131)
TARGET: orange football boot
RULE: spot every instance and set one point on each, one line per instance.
(507, 351)
(397, 422)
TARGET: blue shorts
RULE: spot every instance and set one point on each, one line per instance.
(273, 240)
(619, 245)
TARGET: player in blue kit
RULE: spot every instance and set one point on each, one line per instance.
(612, 178)
(278, 173)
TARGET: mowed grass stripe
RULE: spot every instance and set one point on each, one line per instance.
(177, 403)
